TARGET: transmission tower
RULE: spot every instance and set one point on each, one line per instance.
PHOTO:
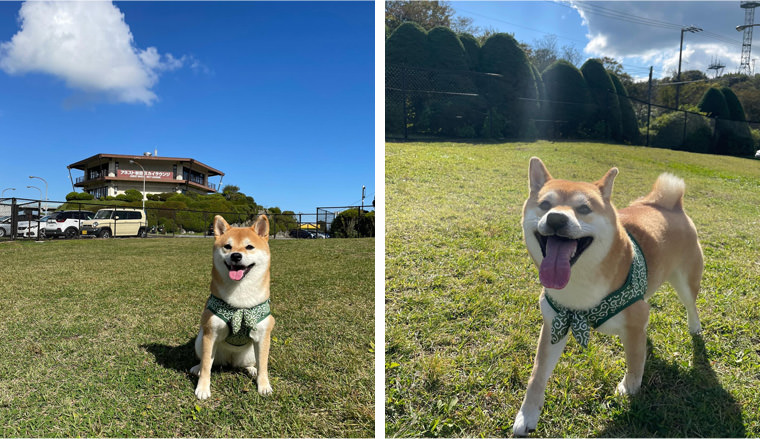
(749, 20)
(716, 65)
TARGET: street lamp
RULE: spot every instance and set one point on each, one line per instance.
(46, 191)
(35, 187)
(7, 189)
(744, 26)
(143, 192)
(692, 29)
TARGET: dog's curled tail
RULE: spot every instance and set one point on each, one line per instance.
(667, 192)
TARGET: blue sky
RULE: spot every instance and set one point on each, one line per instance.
(638, 34)
(277, 95)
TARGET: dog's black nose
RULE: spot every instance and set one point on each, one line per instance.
(556, 220)
(236, 257)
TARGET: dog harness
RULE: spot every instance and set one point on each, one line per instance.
(579, 321)
(240, 320)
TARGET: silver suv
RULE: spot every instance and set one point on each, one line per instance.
(66, 223)
(118, 221)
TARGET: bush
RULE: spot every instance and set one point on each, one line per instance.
(568, 100)
(608, 106)
(514, 94)
(79, 196)
(631, 131)
(353, 224)
(451, 115)
(670, 133)
(407, 45)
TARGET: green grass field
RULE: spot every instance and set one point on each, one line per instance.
(462, 317)
(97, 338)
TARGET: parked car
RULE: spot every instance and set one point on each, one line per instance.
(5, 226)
(25, 228)
(66, 223)
(119, 221)
(30, 229)
(301, 234)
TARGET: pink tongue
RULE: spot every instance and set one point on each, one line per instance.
(555, 268)
(236, 274)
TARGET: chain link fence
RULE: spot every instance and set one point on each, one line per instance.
(425, 103)
(28, 219)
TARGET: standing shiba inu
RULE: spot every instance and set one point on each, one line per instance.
(236, 324)
(598, 266)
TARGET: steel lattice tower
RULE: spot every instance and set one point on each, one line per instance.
(749, 20)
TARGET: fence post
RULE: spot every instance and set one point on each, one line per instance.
(14, 219)
(403, 97)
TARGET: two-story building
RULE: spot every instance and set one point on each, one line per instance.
(113, 174)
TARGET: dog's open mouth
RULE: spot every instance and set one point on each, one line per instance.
(560, 254)
(237, 272)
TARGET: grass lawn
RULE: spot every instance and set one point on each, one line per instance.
(97, 338)
(462, 317)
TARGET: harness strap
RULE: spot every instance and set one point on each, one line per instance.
(240, 320)
(579, 322)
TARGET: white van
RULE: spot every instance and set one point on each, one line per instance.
(117, 221)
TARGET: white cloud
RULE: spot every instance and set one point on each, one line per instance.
(89, 46)
(648, 33)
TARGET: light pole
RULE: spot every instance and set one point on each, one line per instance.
(46, 192)
(692, 29)
(143, 192)
(7, 189)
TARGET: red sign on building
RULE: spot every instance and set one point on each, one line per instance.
(149, 175)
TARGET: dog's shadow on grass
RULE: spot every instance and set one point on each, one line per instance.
(677, 404)
(180, 358)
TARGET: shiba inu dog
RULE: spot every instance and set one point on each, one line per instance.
(598, 267)
(236, 324)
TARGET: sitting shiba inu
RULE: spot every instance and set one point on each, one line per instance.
(598, 267)
(236, 324)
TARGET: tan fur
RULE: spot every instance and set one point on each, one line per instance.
(667, 237)
(252, 245)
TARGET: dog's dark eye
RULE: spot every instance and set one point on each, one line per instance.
(227, 247)
(583, 210)
(545, 205)
(249, 247)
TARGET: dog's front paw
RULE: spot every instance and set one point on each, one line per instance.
(203, 392)
(524, 425)
(625, 388)
(252, 371)
(264, 387)
(196, 370)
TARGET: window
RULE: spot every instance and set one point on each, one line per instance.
(193, 176)
(99, 192)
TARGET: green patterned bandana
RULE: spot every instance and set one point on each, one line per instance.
(240, 320)
(580, 321)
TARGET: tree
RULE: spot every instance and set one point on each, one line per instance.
(453, 111)
(544, 52)
(738, 137)
(512, 96)
(472, 49)
(608, 106)
(568, 101)
(407, 45)
(630, 125)
(428, 14)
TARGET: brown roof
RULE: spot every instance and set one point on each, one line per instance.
(195, 164)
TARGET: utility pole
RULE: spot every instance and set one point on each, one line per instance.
(649, 102)
(692, 29)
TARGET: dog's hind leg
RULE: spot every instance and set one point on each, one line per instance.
(547, 356)
(686, 285)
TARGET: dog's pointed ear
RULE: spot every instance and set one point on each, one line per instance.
(220, 225)
(261, 226)
(606, 183)
(538, 175)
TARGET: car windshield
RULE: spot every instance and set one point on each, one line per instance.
(103, 214)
